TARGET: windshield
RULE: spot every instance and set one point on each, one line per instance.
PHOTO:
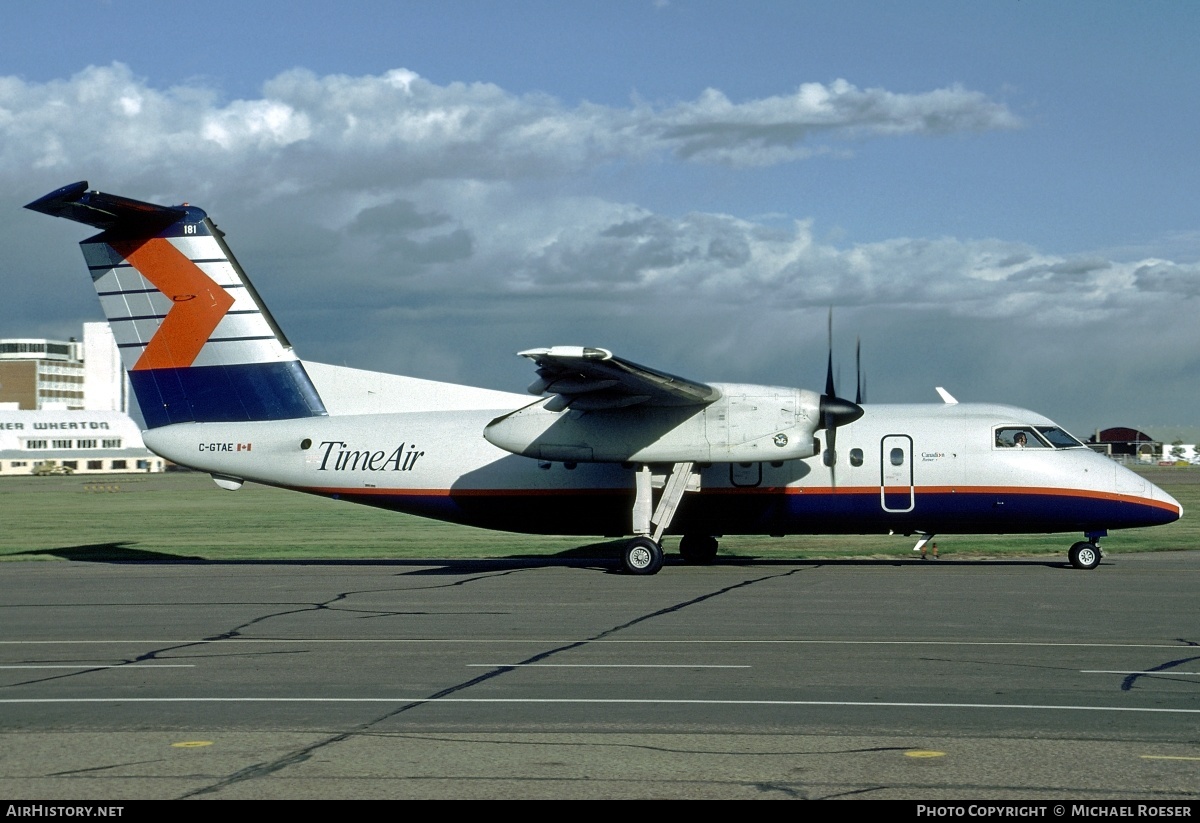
(1034, 437)
(1018, 437)
(1059, 438)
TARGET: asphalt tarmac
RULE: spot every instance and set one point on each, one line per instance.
(936, 680)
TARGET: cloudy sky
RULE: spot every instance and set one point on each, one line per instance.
(1002, 198)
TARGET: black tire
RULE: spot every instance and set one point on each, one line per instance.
(1084, 555)
(642, 555)
(698, 549)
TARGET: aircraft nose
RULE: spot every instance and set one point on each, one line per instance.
(1160, 496)
(1155, 507)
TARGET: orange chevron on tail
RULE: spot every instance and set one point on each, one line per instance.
(198, 302)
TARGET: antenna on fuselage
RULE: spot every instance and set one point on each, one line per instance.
(946, 396)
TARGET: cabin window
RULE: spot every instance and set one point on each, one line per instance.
(897, 457)
(856, 457)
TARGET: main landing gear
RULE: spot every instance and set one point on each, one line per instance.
(643, 554)
(698, 549)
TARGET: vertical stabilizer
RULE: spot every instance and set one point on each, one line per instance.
(195, 337)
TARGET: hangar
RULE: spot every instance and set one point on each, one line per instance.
(1165, 444)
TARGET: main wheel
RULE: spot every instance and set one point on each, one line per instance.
(698, 548)
(1084, 555)
(642, 556)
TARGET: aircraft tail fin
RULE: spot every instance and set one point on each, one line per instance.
(194, 335)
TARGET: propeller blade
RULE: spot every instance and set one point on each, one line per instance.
(858, 381)
(835, 411)
(829, 389)
(830, 421)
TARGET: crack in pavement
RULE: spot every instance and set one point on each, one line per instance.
(302, 754)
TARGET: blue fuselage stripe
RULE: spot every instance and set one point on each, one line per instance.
(594, 512)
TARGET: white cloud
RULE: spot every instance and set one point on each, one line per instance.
(398, 224)
(411, 129)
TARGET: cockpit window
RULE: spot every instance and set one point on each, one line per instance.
(1019, 437)
(1034, 437)
(1058, 438)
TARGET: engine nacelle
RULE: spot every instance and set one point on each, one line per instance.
(746, 424)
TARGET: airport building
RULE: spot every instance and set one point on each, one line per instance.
(64, 375)
(41, 374)
(72, 442)
(64, 408)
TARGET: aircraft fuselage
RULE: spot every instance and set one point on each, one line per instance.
(900, 468)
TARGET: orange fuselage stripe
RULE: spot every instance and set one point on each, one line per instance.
(872, 490)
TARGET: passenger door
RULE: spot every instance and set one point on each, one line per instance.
(896, 474)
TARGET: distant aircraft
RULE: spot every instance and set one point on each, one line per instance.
(608, 448)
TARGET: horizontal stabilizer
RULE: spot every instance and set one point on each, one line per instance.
(107, 211)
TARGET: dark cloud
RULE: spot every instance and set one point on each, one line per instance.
(1165, 277)
(775, 129)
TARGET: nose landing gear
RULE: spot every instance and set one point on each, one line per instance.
(1085, 554)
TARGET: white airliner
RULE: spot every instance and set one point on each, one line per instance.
(609, 447)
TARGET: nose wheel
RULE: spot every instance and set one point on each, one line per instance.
(1085, 555)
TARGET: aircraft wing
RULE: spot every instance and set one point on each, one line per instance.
(590, 379)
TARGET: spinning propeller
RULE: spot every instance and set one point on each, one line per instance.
(836, 411)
